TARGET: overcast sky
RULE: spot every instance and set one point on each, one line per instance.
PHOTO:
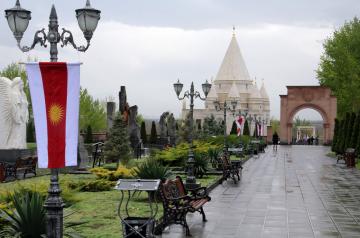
(146, 45)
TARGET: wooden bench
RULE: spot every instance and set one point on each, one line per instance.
(237, 151)
(230, 170)
(177, 202)
(28, 165)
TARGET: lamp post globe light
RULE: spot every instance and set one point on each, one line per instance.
(18, 19)
(225, 108)
(192, 94)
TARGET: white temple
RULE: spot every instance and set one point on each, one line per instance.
(233, 83)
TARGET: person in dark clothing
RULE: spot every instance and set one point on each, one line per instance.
(275, 140)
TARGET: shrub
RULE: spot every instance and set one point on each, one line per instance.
(177, 156)
(151, 169)
(120, 173)
(28, 217)
(201, 165)
(98, 185)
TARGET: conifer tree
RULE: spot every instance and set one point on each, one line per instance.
(349, 130)
(336, 132)
(357, 147)
(246, 129)
(117, 147)
(355, 131)
(143, 133)
(255, 134)
(233, 129)
(344, 131)
(153, 134)
(339, 136)
(88, 135)
(30, 131)
(185, 130)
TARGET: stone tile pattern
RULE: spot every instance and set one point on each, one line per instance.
(296, 192)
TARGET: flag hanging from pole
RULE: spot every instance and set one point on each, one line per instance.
(239, 124)
(55, 89)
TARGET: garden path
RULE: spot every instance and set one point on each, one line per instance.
(296, 192)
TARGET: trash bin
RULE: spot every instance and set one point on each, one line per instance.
(134, 227)
(350, 157)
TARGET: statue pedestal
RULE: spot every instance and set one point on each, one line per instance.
(11, 155)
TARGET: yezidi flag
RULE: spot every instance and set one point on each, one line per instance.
(55, 89)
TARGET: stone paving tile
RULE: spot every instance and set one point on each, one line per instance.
(296, 192)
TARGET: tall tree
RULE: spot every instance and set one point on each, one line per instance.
(92, 112)
(246, 129)
(339, 66)
(184, 129)
(143, 133)
(336, 135)
(211, 127)
(344, 132)
(233, 129)
(153, 134)
(349, 130)
(355, 131)
(117, 147)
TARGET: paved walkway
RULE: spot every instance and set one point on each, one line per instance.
(296, 192)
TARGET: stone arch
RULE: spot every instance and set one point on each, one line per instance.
(308, 106)
(301, 97)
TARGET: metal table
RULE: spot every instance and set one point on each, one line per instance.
(134, 227)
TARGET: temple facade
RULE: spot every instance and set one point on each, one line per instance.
(233, 83)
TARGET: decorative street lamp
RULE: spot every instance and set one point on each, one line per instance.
(18, 20)
(225, 107)
(191, 180)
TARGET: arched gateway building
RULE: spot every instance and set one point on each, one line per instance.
(233, 82)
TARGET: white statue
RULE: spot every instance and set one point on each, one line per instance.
(13, 114)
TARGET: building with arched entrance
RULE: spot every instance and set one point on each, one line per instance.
(318, 98)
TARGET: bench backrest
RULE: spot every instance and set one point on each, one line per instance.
(172, 188)
(26, 162)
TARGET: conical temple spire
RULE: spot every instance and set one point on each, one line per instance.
(233, 65)
(263, 91)
(212, 93)
(17, 4)
(88, 3)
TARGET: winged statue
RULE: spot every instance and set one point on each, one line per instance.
(14, 114)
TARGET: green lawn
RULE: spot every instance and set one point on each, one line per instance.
(96, 212)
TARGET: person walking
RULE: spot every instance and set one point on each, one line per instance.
(275, 141)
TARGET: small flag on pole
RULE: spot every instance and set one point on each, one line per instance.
(55, 89)
(239, 123)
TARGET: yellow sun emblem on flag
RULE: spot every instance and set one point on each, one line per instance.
(56, 114)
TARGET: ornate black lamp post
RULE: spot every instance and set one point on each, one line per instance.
(18, 20)
(191, 180)
(225, 107)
